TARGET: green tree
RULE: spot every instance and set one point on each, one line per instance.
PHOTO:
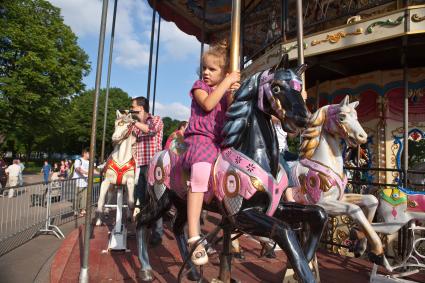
(41, 67)
(170, 125)
(79, 116)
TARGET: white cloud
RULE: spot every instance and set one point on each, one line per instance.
(81, 15)
(173, 110)
(177, 44)
(133, 26)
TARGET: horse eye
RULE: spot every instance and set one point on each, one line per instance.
(276, 89)
(121, 123)
(342, 117)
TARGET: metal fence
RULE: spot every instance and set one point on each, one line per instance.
(38, 208)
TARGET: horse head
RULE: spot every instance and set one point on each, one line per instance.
(342, 121)
(123, 125)
(282, 86)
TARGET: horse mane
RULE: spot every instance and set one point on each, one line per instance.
(239, 112)
(311, 135)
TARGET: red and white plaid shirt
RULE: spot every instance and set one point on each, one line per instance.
(147, 144)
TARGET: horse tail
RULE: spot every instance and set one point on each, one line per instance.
(153, 209)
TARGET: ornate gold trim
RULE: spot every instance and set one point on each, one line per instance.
(416, 18)
(335, 38)
(257, 184)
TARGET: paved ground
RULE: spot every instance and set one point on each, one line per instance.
(31, 261)
(166, 262)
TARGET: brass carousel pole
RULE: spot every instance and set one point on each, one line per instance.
(108, 79)
(300, 37)
(226, 256)
(84, 272)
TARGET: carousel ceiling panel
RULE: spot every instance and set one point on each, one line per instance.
(188, 15)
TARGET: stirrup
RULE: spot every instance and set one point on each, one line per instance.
(199, 255)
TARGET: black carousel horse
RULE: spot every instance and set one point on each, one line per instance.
(247, 180)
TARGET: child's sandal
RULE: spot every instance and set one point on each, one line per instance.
(199, 255)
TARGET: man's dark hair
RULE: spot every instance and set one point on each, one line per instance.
(85, 150)
(143, 102)
(182, 124)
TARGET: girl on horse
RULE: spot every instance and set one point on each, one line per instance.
(210, 98)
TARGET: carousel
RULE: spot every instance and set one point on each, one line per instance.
(357, 211)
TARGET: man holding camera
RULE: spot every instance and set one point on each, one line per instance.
(148, 131)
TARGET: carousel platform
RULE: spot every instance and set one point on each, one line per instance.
(165, 260)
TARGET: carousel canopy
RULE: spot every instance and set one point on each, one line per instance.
(189, 15)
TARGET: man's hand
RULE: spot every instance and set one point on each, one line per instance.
(142, 126)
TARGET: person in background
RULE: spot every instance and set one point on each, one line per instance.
(3, 175)
(81, 172)
(13, 172)
(46, 170)
(63, 173)
(21, 174)
(148, 131)
(177, 135)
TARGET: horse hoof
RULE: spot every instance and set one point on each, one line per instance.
(193, 275)
(377, 259)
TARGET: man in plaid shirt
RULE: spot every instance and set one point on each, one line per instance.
(148, 132)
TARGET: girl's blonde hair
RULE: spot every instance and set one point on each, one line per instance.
(220, 50)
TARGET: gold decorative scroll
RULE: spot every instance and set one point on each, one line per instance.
(416, 18)
(334, 38)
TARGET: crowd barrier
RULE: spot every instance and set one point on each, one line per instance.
(32, 209)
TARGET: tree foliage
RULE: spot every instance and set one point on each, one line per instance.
(41, 67)
(79, 117)
(170, 125)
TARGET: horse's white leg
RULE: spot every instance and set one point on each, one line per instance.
(130, 190)
(368, 203)
(335, 208)
(101, 202)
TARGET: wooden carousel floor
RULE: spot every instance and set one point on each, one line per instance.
(166, 261)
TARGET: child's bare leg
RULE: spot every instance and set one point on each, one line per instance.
(194, 207)
(195, 197)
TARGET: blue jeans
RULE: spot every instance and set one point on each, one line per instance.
(143, 231)
(142, 243)
(46, 178)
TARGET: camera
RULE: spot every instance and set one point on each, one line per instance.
(128, 111)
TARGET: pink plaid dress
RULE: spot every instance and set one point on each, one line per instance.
(203, 134)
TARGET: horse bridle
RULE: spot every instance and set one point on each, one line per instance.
(333, 123)
(127, 134)
(266, 78)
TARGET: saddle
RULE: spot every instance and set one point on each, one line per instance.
(233, 178)
(415, 201)
(319, 179)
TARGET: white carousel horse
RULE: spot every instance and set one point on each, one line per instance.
(120, 167)
(318, 178)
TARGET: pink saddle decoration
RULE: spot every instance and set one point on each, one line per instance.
(233, 175)
(313, 191)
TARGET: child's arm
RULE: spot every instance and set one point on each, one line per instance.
(288, 195)
(208, 102)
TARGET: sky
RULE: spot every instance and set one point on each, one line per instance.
(178, 52)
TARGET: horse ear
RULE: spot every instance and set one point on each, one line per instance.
(300, 69)
(118, 114)
(354, 104)
(283, 64)
(345, 101)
